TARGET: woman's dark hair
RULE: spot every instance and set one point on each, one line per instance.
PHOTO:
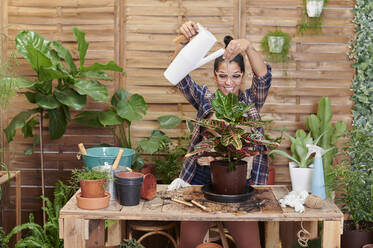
(238, 59)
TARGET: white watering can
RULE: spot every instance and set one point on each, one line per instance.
(192, 56)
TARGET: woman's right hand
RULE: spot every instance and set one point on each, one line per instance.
(189, 29)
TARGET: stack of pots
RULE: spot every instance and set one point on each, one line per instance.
(93, 195)
(128, 187)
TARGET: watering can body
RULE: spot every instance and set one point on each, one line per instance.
(192, 56)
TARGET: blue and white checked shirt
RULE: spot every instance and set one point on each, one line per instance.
(200, 98)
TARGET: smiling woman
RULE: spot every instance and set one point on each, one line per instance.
(229, 70)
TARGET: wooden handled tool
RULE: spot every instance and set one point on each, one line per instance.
(117, 159)
(180, 38)
(182, 202)
(82, 149)
(199, 205)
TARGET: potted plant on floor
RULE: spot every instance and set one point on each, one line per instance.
(92, 184)
(276, 45)
(353, 183)
(301, 170)
(228, 139)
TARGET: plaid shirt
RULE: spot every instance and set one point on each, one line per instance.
(200, 98)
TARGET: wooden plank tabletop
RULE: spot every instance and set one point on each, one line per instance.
(163, 209)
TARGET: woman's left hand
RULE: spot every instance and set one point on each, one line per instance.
(235, 47)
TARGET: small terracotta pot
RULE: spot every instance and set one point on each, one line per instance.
(271, 175)
(93, 203)
(149, 187)
(228, 182)
(209, 245)
(93, 188)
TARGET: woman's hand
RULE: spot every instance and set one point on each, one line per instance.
(189, 29)
(236, 47)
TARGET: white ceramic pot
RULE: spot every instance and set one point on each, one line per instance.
(276, 43)
(301, 178)
(314, 7)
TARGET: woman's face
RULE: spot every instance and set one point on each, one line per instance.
(228, 77)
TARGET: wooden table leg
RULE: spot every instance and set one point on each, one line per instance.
(331, 234)
(73, 233)
(18, 202)
(114, 233)
(96, 234)
(312, 228)
(272, 234)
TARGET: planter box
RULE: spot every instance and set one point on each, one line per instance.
(276, 43)
(314, 8)
(301, 178)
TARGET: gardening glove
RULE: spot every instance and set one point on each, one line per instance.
(295, 199)
(177, 184)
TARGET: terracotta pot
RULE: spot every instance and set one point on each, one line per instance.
(209, 245)
(93, 188)
(271, 175)
(93, 203)
(228, 182)
(149, 187)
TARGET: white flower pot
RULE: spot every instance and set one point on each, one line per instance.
(276, 43)
(301, 178)
(314, 7)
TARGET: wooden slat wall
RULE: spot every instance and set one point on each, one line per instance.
(319, 65)
(54, 20)
(138, 35)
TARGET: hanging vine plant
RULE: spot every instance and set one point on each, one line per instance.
(276, 45)
(312, 17)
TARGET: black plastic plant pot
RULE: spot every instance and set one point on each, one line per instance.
(128, 187)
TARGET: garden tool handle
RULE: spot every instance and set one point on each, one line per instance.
(117, 159)
(82, 149)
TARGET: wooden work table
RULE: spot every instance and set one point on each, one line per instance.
(75, 230)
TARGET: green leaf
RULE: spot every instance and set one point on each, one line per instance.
(29, 127)
(18, 122)
(46, 101)
(232, 136)
(82, 45)
(57, 123)
(34, 48)
(50, 73)
(65, 54)
(93, 89)
(340, 129)
(29, 151)
(155, 141)
(169, 121)
(95, 75)
(227, 107)
(109, 118)
(324, 112)
(120, 95)
(89, 118)
(282, 153)
(70, 98)
(30, 97)
(134, 109)
(313, 124)
(111, 66)
(23, 83)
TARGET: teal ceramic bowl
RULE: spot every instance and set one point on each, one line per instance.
(97, 156)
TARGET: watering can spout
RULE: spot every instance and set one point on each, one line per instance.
(209, 58)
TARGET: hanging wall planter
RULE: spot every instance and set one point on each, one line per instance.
(314, 7)
(276, 45)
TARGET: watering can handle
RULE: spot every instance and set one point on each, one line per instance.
(212, 56)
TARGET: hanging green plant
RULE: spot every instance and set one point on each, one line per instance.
(312, 17)
(276, 45)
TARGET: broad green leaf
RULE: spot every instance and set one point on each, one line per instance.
(88, 118)
(71, 98)
(134, 109)
(28, 128)
(30, 97)
(313, 124)
(57, 123)
(82, 45)
(93, 89)
(95, 75)
(66, 112)
(44, 87)
(154, 142)
(49, 73)
(46, 101)
(232, 136)
(340, 129)
(65, 55)
(23, 83)
(34, 48)
(109, 118)
(169, 121)
(111, 66)
(18, 122)
(120, 95)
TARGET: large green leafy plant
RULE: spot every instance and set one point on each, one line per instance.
(232, 136)
(59, 85)
(321, 125)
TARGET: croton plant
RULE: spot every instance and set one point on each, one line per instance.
(232, 136)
